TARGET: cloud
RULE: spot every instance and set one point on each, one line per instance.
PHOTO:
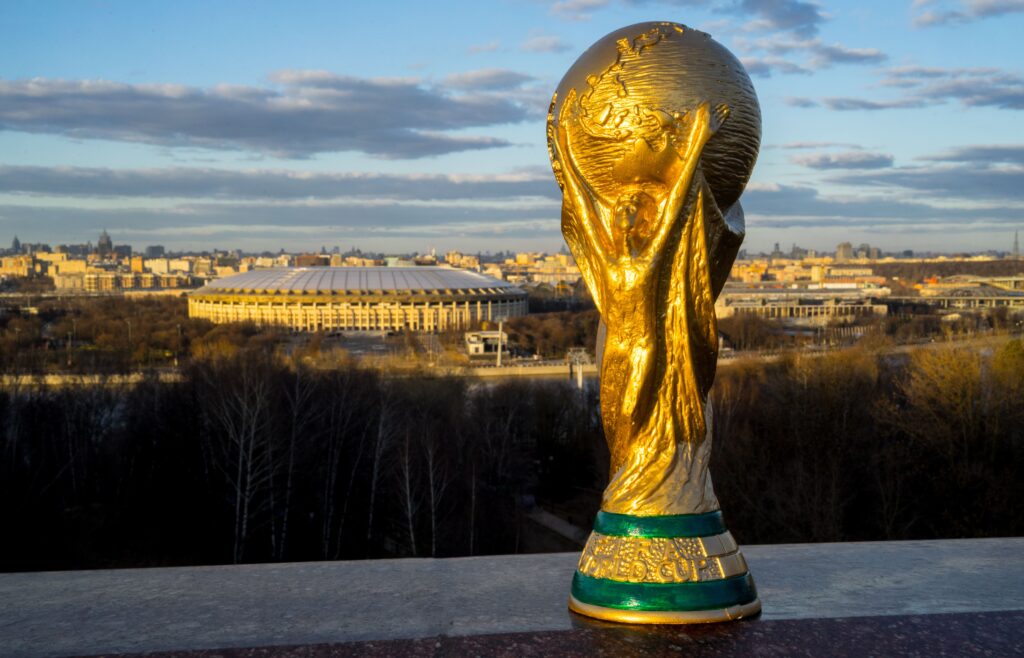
(301, 224)
(280, 185)
(965, 182)
(819, 145)
(544, 44)
(489, 47)
(826, 55)
(924, 86)
(764, 67)
(801, 18)
(368, 216)
(576, 10)
(305, 113)
(792, 26)
(970, 186)
(847, 104)
(273, 208)
(785, 206)
(486, 80)
(987, 154)
(844, 160)
(796, 16)
(966, 11)
(906, 77)
(818, 55)
(675, 3)
(973, 174)
(800, 101)
(1003, 91)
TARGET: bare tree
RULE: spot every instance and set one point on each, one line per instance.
(342, 414)
(299, 396)
(410, 503)
(385, 432)
(237, 406)
(437, 483)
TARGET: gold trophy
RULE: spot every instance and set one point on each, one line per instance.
(653, 134)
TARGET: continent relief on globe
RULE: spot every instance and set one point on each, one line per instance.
(630, 98)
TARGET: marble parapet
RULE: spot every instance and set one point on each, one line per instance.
(822, 596)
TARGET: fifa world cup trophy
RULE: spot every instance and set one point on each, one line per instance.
(653, 134)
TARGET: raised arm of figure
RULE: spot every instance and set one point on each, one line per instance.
(704, 124)
(590, 224)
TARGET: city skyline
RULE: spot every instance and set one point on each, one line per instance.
(262, 127)
(796, 251)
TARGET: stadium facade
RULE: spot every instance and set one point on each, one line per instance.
(358, 298)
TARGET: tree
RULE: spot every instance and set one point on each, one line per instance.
(238, 395)
(386, 430)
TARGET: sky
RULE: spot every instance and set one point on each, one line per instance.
(406, 126)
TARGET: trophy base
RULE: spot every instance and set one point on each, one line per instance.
(674, 569)
(731, 613)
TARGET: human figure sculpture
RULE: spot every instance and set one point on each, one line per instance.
(625, 267)
(632, 137)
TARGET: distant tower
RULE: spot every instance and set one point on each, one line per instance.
(16, 245)
(1016, 245)
(105, 245)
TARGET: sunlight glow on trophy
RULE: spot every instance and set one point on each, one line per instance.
(653, 134)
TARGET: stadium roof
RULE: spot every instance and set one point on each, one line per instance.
(341, 279)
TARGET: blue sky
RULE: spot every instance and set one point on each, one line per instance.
(401, 126)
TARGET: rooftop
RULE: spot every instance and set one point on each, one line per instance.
(341, 279)
(956, 597)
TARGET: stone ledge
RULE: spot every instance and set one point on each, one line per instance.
(951, 634)
(325, 603)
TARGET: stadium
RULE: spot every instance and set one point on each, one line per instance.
(358, 298)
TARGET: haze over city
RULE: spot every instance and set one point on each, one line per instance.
(400, 127)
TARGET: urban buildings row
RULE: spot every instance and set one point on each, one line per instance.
(823, 290)
(100, 282)
(108, 267)
(798, 305)
(808, 289)
(846, 252)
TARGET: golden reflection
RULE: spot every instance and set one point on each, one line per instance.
(638, 133)
(661, 559)
(653, 134)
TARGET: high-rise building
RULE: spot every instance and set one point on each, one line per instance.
(844, 251)
(1016, 245)
(105, 245)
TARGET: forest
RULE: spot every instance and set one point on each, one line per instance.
(253, 456)
(120, 334)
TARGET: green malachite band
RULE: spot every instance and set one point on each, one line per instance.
(702, 595)
(673, 525)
